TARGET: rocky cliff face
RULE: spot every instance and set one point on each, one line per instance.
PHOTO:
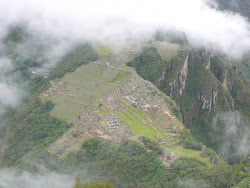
(209, 100)
(205, 56)
(233, 81)
(203, 84)
(178, 85)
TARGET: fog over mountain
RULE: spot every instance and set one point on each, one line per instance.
(117, 21)
(21, 179)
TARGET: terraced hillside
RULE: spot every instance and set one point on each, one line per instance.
(113, 103)
(76, 91)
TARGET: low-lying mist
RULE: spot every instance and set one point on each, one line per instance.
(236, 135)
(12, 178)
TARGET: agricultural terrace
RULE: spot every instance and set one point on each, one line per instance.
(156, 127)
(83, 87)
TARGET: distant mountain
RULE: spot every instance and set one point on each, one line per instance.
(239, 6)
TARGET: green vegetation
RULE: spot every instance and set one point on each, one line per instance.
(209, 153)
(130, 165)
(66, 110)
(103, 110)
(81, 55)
(236, 81)
(103, 50)
(244, 66)
(17, 34)
(83, 87)
(166, 50)
(149, 64)
(174, 108)
(202, 85)
(153, 146)
(188, 141)
(103, 184)
(172, 69)
(31, 129)
(127, 164)
(140, 124)
(188, 153)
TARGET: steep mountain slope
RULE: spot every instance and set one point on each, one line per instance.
(94, 117)
(203, 85)
(112, 103)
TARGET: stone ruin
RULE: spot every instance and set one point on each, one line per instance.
(113, 122)
(167, 159)
(60, 81)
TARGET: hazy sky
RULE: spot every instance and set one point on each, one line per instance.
(118, 20)
(11, 178)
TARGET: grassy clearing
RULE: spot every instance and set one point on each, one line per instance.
(137, 126)
(182, 152)
(166, 50)
(138, 121)
(103, 50)
(126, 101)
(104, 123)
(74, 99)
(103, 110)
(67, 111)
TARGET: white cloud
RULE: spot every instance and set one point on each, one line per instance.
(10, 96)
(119, 20)
(11, 178)
(5, 64)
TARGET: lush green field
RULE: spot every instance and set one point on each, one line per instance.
(182, 152)
(138, 126)
(141, 124)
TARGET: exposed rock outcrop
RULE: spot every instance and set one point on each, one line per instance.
(205, 55)
(178, 85)
(208, 100)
